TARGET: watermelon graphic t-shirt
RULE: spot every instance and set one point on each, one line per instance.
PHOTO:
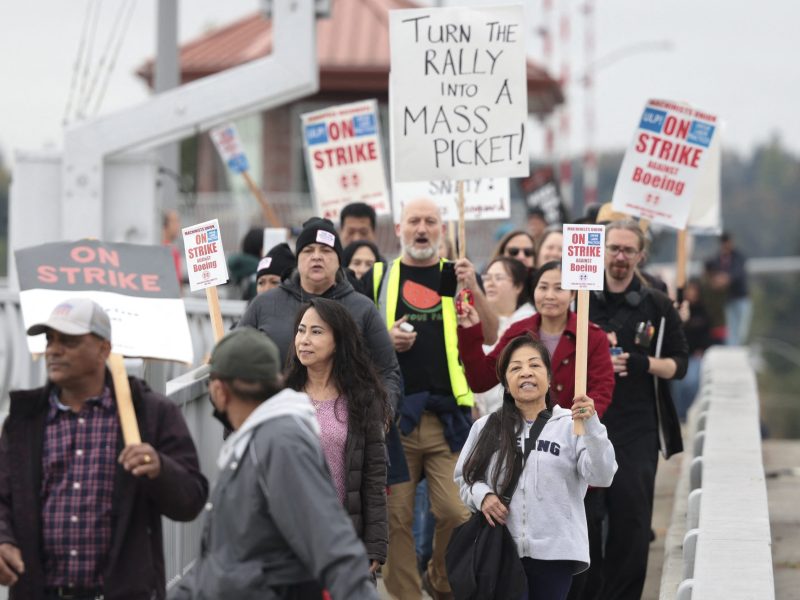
(424, 366)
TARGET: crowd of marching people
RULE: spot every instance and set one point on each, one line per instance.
(379, 413)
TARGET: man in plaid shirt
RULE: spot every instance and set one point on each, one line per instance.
(80, 516)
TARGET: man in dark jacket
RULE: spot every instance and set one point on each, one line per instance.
(80, 517)
(274, 527)
(319, 273)
(642, 322)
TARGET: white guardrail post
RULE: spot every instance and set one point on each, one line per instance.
(719, 544)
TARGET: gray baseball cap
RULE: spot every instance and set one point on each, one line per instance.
(76, 316)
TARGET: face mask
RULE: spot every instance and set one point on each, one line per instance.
(220, 416)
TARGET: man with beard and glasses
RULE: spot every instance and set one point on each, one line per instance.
(435, 411)
(643, 323)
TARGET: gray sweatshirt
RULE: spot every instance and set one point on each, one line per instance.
(546, 517)
(274, 312)
(274, 518)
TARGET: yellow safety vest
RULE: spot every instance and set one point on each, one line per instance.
(386, 299)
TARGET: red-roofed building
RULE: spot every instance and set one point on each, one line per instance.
(353, 57)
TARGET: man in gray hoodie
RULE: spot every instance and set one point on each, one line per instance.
(274, 527)
(319, 273)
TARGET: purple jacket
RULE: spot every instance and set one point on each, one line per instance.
(135, 567)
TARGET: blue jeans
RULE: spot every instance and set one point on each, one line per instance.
(424, 524)
(738, 313)
(685, 390)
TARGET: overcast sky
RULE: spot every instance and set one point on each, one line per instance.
(735, 59)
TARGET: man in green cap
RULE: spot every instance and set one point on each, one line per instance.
(274, 526)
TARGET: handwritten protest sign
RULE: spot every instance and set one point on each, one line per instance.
(542, 193)
(226, 141)
(205, 259)
(582, 256)
(483, 198)
(458, 93)
(582, 269)
(344, 158)
(135, 284)
(669, 153)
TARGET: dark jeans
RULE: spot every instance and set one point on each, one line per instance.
(52, 594)
(547, 579)
(587, 585)
(629, 502)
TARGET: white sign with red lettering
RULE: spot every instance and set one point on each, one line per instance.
(344, 158)
(458, 93)
(659, 176)
(205, 259)
(226, 141)
(484, 199)
(582, 257)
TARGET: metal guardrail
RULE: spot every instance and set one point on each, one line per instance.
(19, 370)
(719, 543)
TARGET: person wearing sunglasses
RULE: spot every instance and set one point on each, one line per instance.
(519, 245)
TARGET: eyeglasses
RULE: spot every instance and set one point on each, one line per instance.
(513, 251)
(495, 277)
(629, 252)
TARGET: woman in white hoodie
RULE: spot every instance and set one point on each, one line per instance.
(545, 516)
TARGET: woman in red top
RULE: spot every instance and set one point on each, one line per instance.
(555, 325)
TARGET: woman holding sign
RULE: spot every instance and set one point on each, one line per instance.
(555, 325)
(545, 513)
(328, 361)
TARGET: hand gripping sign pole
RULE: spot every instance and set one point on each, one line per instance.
(205, 263)
(582, 270)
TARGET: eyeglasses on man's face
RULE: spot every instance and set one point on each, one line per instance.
(614, 249)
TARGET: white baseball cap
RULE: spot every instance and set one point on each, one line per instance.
(77, 316)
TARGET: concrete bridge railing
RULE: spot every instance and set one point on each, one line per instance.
(719, 542)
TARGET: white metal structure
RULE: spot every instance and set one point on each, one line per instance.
(87, 191)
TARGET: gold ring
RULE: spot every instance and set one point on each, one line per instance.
(147, 459)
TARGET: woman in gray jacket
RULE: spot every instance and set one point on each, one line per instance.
(545, 516)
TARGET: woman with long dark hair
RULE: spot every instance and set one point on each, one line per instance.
(545, 516)
(519, 245)
(328, 361)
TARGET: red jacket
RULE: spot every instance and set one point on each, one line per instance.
(480, 368)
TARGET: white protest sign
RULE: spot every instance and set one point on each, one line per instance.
(705, 215)
(226, 141)
(344, 158)
(659, 174)
(135, 284)
(582, 257)
(483, 198)
(458, 93)
(205, 259)
(272, 237)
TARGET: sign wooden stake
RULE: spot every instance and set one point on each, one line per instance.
(581, 354)
(266, 209)
(462, 224)
(215, 313)
(680, 275)
(122, 393)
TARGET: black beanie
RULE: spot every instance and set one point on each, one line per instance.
(278, 261)
(320, 231)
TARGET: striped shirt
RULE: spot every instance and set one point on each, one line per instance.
(79, 460)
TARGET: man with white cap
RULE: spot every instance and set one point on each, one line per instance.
(80, 516)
